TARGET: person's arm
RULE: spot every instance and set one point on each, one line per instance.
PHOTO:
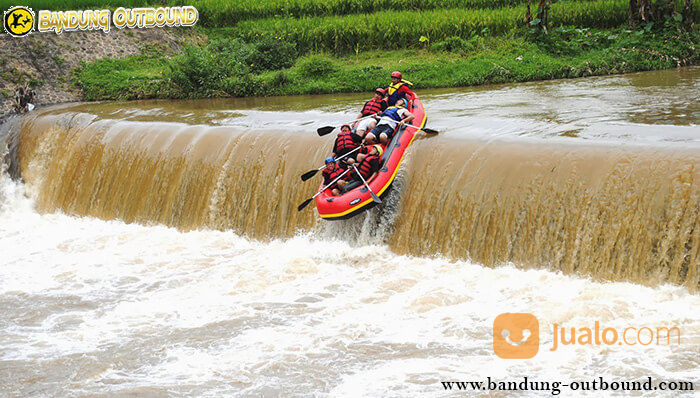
(407, 119)
(372, 177)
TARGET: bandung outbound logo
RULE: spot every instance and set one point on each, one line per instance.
(18, 21)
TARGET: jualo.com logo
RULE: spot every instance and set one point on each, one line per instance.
(517, 335)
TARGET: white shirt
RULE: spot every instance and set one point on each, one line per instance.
(402, 112)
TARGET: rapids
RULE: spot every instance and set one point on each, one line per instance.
(573, 182)
(154, 248)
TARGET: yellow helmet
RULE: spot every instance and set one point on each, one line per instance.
(379, 149)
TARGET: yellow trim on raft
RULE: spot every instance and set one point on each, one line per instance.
(352, 209)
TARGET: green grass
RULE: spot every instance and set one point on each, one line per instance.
(130, 78)
(395, 29)
(511, 58)
(37, 5)
(217, 13)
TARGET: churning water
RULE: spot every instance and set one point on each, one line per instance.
(155, 248)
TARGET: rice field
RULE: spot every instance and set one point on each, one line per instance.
(403, 29)
(220, 13)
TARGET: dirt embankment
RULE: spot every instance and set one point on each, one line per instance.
(45, 60)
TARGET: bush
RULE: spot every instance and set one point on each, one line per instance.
(315, 66)
(453, 44)
(200, 70)
(271, 54)
(221, 65)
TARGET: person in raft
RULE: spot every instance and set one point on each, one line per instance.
(346, 142)
(368, 167)
(393, 117)
(375, 106)
(399, 89)
(331, 172)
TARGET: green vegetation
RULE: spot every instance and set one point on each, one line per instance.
(218, 13)
(272, 47)
(567, 52)
(131, 78)
(395, 29)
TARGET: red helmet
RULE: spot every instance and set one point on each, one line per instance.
(396, 74)
(380, 90)
(346, 125)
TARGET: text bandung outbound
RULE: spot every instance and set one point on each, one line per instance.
(68, 21)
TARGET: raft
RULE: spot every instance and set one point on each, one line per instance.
(359, 199)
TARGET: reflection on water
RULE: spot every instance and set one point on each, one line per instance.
(604, 108)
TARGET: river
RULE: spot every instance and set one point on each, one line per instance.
(154, 247)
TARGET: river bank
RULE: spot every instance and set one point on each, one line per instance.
(306, 51)
(566, 53)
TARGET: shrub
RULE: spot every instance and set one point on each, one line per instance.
(315, 66)
(271, 54)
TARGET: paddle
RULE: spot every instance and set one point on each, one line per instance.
(327, 129)
(307, 201)
(312, 173)
(426, 130)
(374, 197)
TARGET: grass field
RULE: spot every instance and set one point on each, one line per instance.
(403, 29)
(277, 47)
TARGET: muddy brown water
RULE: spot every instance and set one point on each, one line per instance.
(154, 247)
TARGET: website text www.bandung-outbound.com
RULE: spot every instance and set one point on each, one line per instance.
(556, 387)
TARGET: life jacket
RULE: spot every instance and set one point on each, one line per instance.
(345, 141)
(332, 175)
(371, 107)
(393, 91)
(365, 168)
(393, 112)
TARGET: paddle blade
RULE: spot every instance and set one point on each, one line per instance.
(431, 131)
(308, 174)
(306, 203)
(375, 197)
(325, 130)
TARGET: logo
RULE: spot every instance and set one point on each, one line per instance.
(516, 336)
(18, 21)
(356, 200)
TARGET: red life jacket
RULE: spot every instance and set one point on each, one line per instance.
(372, 106)
(365, 168)
(345, 142)
(332, 175)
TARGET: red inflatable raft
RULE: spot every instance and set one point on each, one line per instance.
(353, 202)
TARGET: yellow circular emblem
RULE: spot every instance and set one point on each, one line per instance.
(18, 21)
